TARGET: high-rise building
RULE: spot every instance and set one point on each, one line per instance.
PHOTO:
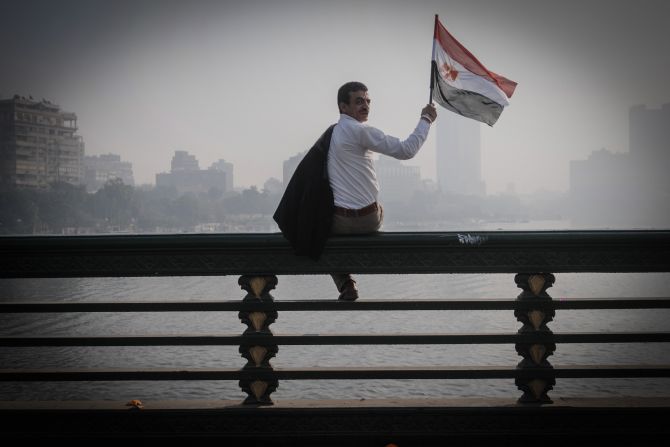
(397, 182)
(650, 146)
(99, 169)
(650, 132)
(183, 161)
(38, 144)
(458, 155)
(224, 166)
(187, 177)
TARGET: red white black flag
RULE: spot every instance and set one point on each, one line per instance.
(460, 83)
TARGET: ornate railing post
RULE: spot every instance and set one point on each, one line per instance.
(258, 357)
(535, 318)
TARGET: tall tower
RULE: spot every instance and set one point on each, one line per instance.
(650, 133)
(650, 147)
(650, 152)
(459, 167)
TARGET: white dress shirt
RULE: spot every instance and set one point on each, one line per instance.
(352, 174)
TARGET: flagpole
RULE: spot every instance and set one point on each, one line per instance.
(432, 72)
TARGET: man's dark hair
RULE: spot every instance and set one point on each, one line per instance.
(349, 87)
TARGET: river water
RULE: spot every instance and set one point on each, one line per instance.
(408, 287)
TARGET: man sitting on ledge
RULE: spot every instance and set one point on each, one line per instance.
(351, 171)
(334, 189)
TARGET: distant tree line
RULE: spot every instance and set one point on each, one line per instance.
(116, 206)
(64, 208)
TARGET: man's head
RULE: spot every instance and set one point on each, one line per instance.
(353, 100)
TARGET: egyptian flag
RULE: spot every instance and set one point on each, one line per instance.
(460, 83)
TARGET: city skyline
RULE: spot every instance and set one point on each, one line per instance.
(43, 186)
(454, 133)
(254, 83)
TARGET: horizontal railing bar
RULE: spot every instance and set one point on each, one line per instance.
(334, 305)
(379, 253)
(450, 372)
(611, 303)
(339, 339)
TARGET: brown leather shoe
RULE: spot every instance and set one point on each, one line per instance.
(348, 292)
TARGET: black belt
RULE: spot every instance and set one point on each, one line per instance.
(357, 213)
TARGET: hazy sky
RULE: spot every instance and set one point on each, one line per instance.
(255, 82)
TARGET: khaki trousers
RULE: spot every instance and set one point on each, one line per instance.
(343, 225)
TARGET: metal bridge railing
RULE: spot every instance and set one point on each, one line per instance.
(531, 255)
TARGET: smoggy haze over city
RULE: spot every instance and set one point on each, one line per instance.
(254, 82)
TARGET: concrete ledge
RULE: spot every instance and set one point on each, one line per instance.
(365, 422)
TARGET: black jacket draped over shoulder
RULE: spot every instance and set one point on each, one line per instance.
(305, 212)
